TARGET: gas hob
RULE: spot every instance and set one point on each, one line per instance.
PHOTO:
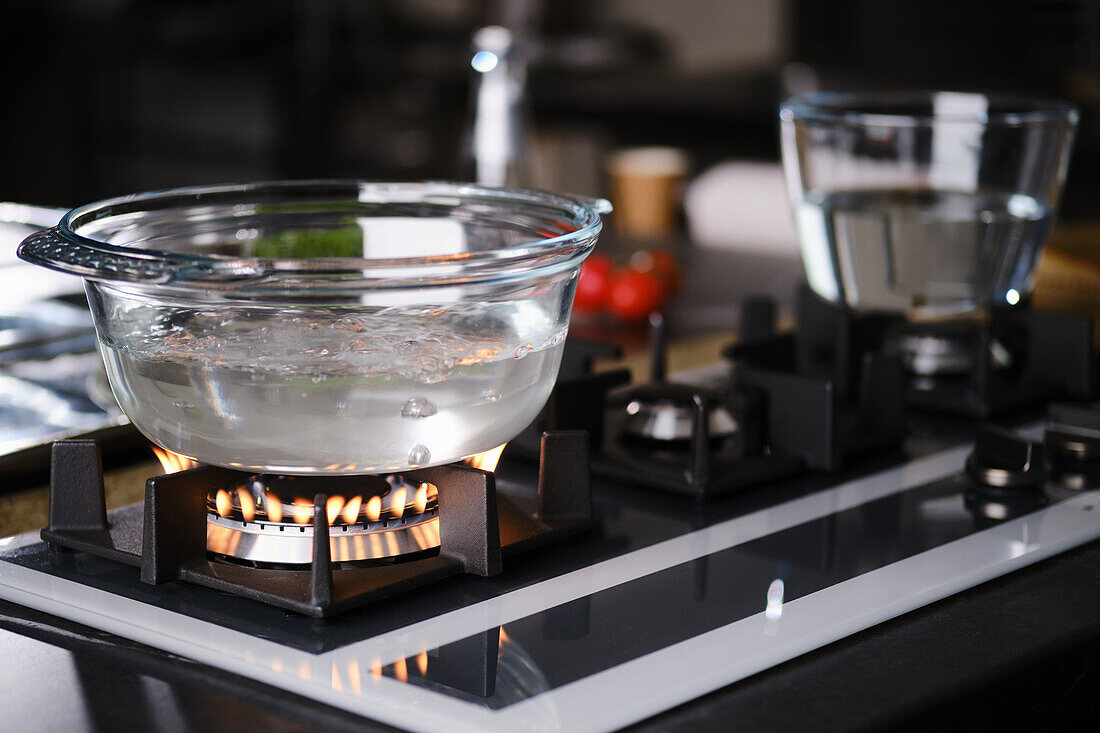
(664, 601)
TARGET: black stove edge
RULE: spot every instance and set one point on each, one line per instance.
(110, 668)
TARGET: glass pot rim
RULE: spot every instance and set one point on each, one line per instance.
(63, 248)
(899, 108)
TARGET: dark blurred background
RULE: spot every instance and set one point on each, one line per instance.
(105, 97)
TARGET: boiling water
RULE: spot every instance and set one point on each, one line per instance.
(320, 392)
(924, 251)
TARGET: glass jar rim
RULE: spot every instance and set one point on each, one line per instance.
(887, 109)
(64, 248)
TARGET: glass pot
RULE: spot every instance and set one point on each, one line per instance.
(328, 327)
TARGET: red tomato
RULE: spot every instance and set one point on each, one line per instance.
(668, 269)
(662, 265)
(634, 295)
(593, 284)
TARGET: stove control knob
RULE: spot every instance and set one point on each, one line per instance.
(1004, 460)
(1073, 434)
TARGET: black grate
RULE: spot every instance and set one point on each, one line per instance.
(166, 536)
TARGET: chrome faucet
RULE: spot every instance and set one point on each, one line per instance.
(499, 136)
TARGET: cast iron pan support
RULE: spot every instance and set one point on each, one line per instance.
(320, 570)
(829, 392)
(77, 463)
(166, 536)
(174, 530)
(469, 530)
(565, 493)
(700, 444)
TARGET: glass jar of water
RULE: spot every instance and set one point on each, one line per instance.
(933, 204)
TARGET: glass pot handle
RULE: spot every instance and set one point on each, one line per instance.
(51, 248)
(601, 206)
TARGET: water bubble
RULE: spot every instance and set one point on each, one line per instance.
(521, 351)
(417, 407)
(419, 455)
(489, 396)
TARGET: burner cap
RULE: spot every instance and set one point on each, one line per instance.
(665, 412)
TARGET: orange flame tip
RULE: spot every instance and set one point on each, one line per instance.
(172, 462)
(486, 461)
(223, 503)
(274, 507)
(374, 508)
(248, 505)
(333, 507)
(420, 501)
(396, 502)
(303, 511)
(351, 510)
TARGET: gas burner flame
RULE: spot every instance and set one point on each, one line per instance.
(486, 461)
(248, 505)
(333, 507)
(223, 503)
(420, 499)
(374, 508)
(303, 510)
(395, 499)
(273, 506)
(173, 462)
(253, 501)
(350, 512)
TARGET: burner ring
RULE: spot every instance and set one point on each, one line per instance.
(945, 350)
(930, 354)
(667, 421)
(256, 520)
(283, 544)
